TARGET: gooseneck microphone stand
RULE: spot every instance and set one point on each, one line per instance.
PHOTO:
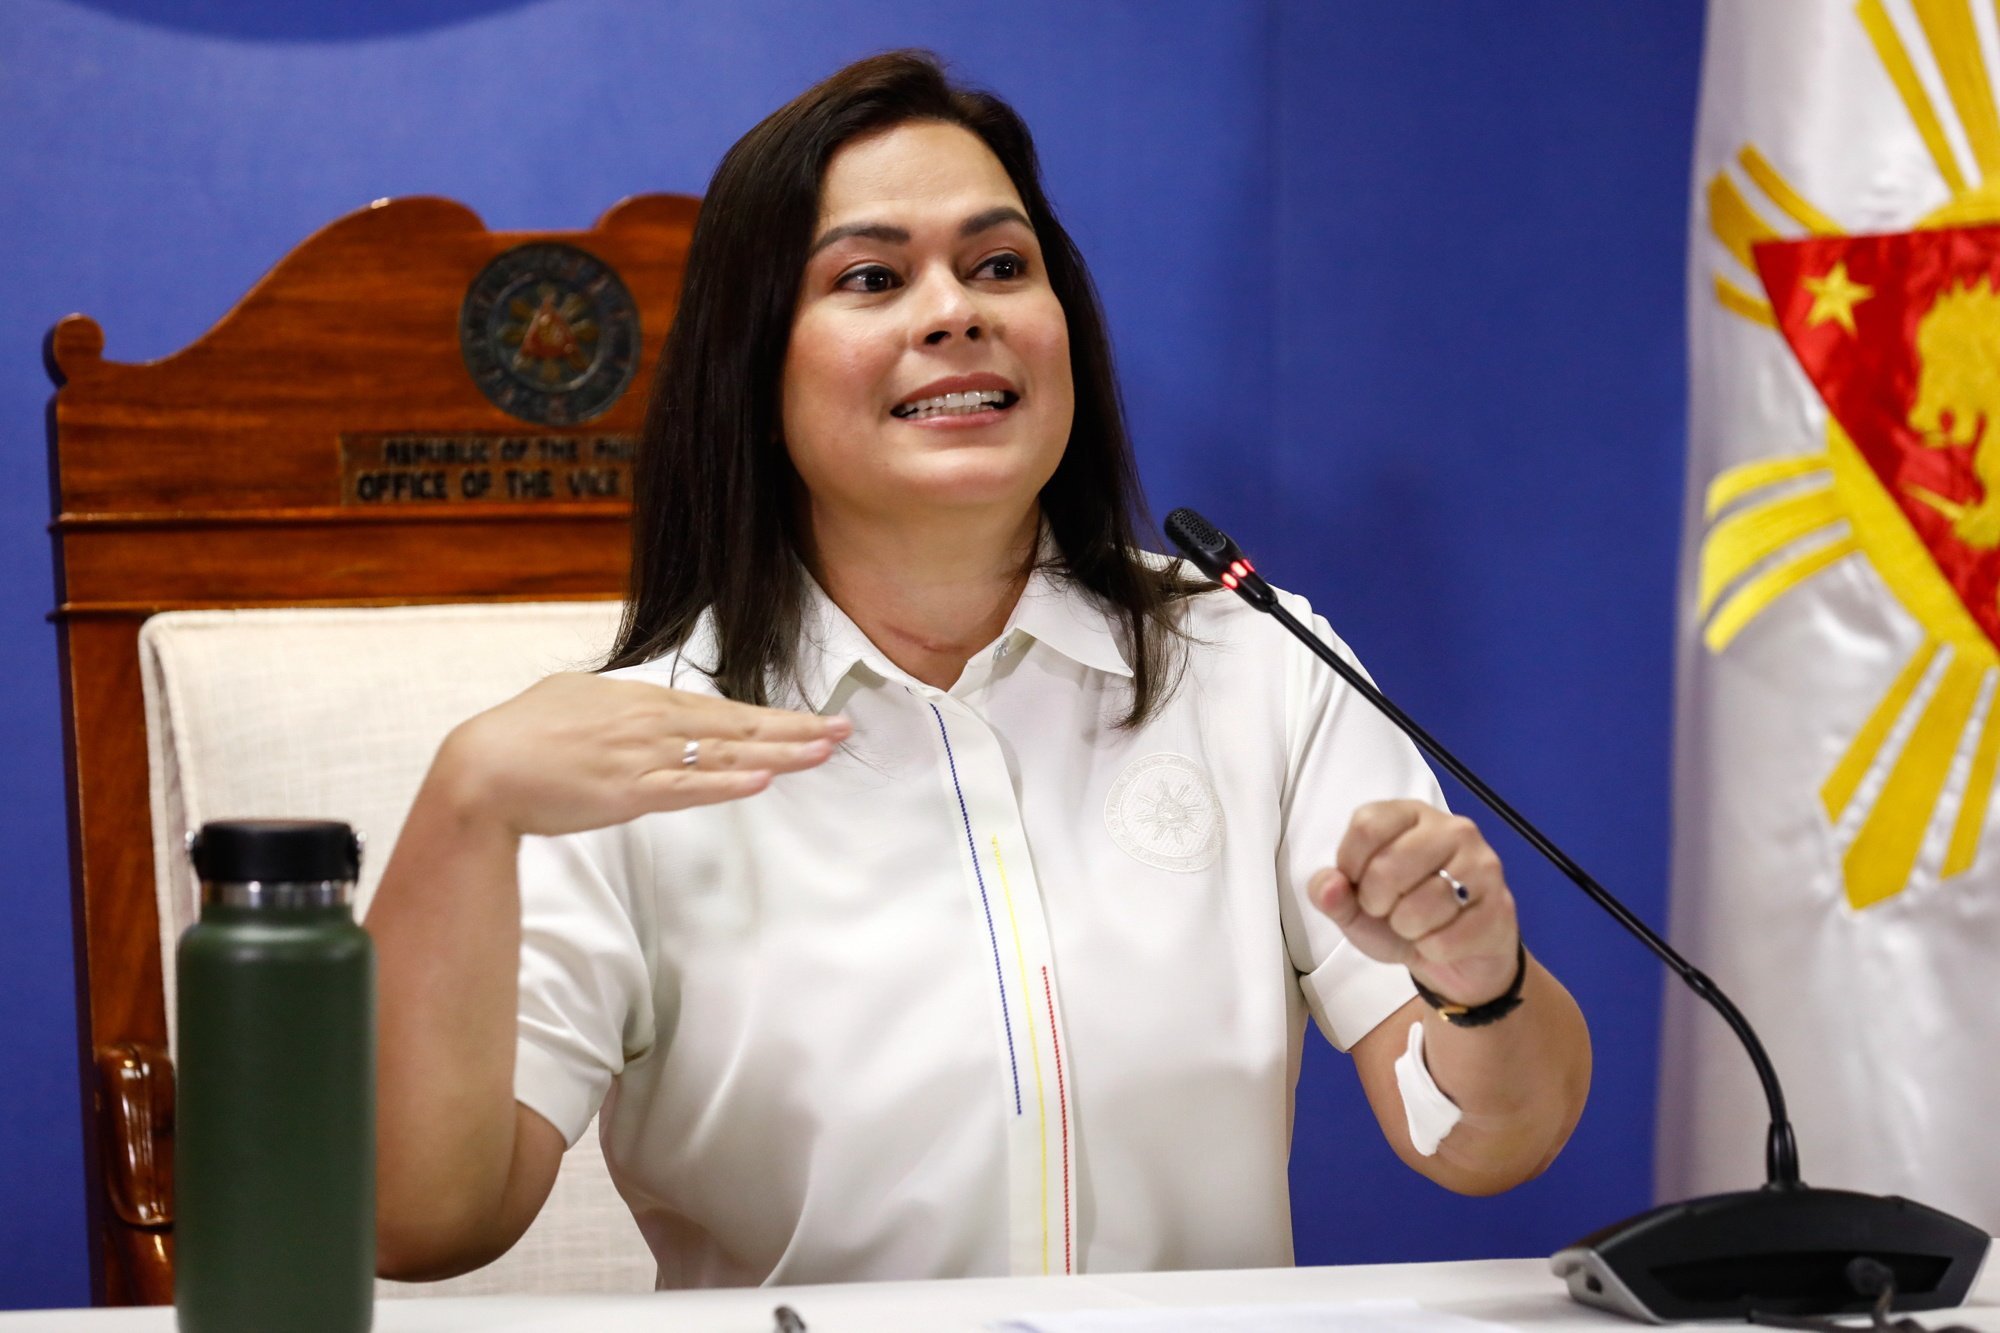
(1785, 1249)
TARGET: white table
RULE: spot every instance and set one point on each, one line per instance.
(1518, 1292)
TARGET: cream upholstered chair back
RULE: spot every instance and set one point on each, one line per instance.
(356, 431)
(335, 714)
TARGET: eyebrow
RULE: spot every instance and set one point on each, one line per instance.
(882, 231)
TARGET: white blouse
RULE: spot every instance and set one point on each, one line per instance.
(1000, 988)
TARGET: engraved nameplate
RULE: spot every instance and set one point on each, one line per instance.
(380, 470)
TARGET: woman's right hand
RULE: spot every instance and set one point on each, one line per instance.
(578, 751)
(461, 1167)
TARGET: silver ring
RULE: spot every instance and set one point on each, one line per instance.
(1458, 889)
(690, 754)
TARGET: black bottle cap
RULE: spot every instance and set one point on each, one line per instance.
(268, 851)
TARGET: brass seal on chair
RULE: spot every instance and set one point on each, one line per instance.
(549, 333)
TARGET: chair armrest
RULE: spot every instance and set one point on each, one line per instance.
(135, 1082)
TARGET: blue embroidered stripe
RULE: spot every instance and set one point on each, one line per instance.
(992, 936)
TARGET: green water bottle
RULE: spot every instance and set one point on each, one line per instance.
(274, 1141)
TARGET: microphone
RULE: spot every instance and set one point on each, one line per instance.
(1221, 559)
(1784, 1249)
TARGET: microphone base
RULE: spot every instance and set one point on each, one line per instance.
(1777, 1250)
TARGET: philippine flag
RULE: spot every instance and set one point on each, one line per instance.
(1837, 860)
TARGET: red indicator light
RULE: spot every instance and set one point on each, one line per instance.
(1228, 580)
(1248, 568)
(1239, 568)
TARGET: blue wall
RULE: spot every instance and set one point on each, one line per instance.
(1396, 291)
(1476, 470)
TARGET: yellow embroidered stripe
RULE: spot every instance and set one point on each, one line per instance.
(1734, 222)
(1739, 302)
(1954, 42)
(1758, 532)
(1977, 798)
(1732, 484)
(1754, 595)
(1759, 169)
(1842, 783)
(1895, 60)
(1878, 864)
(1034, 1046)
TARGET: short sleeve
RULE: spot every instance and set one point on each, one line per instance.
(586, 991)
(1341, 753)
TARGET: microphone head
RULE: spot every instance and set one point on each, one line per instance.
(1201, 542)
(1218, 557)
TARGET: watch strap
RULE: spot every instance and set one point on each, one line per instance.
(1479, 1015)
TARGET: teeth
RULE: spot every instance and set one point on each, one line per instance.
(955, 404)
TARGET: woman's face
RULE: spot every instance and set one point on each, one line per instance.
(928, 369)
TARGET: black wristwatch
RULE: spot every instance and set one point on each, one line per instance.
(1479, 1015)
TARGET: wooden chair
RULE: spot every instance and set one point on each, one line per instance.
(407, 409)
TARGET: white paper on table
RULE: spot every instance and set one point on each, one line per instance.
(1343, 1317)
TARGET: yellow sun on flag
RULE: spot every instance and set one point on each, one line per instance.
(1774, 523)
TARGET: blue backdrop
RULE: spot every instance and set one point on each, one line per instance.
(1397, 297)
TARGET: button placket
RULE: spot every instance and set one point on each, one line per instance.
(1014, 930)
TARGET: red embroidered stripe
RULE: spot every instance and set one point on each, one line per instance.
(1062, 1097)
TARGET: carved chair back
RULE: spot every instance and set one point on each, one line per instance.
(407, 409)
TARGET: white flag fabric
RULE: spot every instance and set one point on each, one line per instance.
(1836, 855)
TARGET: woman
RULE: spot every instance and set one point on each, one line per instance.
(936, 885)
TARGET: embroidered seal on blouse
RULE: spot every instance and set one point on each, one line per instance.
(1162, 810)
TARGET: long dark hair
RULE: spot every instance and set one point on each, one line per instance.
(713, 522)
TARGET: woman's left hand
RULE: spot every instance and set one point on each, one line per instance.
(1386, 894)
